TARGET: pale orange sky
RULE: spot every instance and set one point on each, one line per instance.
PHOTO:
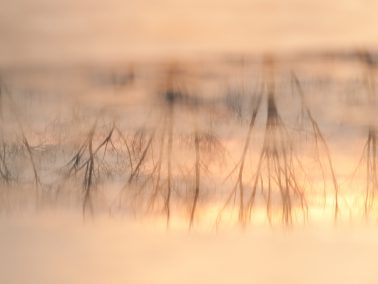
(53, 31)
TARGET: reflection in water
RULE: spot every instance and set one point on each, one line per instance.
(227, 141)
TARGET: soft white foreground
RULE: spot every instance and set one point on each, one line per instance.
(60, 248)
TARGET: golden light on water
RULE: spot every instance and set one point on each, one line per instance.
(188, 142)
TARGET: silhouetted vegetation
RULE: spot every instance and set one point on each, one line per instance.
(177, 144)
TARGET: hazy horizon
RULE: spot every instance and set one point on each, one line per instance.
(58, 32)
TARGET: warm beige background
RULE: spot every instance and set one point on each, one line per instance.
(40, 31)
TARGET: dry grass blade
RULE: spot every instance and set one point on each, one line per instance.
(319, 140)
(239, 185)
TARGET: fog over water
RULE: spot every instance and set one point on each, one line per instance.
(51, 31)
(188, 142)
